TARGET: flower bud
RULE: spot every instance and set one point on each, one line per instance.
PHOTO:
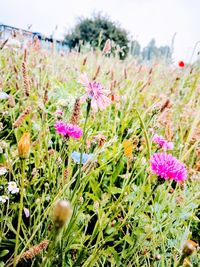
(24, 145)
(189, 247)
(62, 212)
(158, 257)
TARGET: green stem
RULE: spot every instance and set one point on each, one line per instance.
(145, 134)
(77, 183)
(147, 199)
(23, 162)
(82, 150)
(52, 246)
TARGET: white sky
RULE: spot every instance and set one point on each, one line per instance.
(144, 19)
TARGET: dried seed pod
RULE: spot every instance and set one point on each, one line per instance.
(22, 117)
(25, 55)
(46, 98)
(125, 74)
(96, 73)
(25, 79)
(11, 101)
(76, 112)
(166, 104)
(84, 61)
(33, 251)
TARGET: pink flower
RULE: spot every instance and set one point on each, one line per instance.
(95, 92)
(168, 167)
(158, 139)
(73, 130)
(68, 129)
(60, 127)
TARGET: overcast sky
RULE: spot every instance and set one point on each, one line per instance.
(144, 19)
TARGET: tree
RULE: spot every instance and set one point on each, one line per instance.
(135, 48)
(165, 51)
(96, 31)
(150, 51)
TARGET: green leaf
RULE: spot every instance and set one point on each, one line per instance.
(3, 253)
(115, 190)
(128, 239)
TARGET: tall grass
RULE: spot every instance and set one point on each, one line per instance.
(116, 220)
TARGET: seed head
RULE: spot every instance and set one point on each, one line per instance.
(76, 112)
(62, 212)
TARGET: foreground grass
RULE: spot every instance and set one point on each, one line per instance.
(117, 220)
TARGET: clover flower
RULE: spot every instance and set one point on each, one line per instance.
(95, 92)
(76, 156)
(168, 167)
(68, 129)
(158, 139)
(12, 188)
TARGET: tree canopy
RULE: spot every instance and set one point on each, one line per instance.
(96, 31)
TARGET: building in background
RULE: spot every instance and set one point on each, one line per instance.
(21, 37)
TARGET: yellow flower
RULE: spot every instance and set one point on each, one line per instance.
(128, 148)
(24, 146)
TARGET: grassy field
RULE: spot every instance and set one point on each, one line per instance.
(118, 212)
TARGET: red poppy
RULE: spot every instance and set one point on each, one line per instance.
(181, 64)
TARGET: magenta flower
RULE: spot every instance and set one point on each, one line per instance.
(68, 129)
(60, 127)
(158, 139)
(168, 167)
(95, 92)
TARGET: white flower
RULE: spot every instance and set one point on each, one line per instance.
(12, 188)
(3, 144)
(3, 171)
(3, 199)
(26, 212)
(3, 95)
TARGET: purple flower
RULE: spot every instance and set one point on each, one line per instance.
(68, 129)
(168, 167)
(158, 139)
(95, 91)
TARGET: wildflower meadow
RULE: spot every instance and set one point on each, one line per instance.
(99, 160)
